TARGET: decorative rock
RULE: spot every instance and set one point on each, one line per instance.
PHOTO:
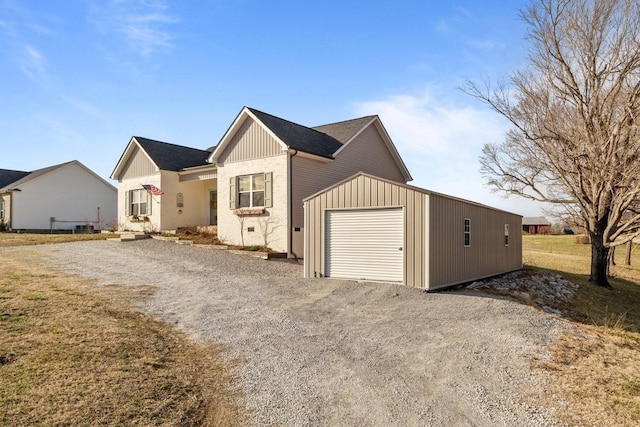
(542, 289)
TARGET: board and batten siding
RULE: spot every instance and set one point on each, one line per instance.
(137, 165)
(450, 262)
(367, 153)
(251, 141)
(363, 192)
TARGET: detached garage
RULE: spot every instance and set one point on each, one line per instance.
(370, 228)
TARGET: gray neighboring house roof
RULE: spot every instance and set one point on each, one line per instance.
(299, 137)
(535, 220)
(173, 157)
(8, 177)
(32, 175)
(29, 176)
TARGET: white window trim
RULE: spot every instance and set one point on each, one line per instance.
(467, 232)
(251, 191)
(506, 234)
(144, 198)
(234, 192)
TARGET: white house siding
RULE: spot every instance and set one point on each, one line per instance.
(155, 217)
(276, 216)
(195, 197)
(69, 193)
(251, 141)
(450, 262)
(366, 153)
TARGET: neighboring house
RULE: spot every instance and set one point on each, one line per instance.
(536, 225)
(252, 183)
(370, 228)
(67, 196)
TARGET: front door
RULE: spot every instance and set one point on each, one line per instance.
(213, 207)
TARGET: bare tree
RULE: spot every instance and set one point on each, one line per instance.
(574, 110)
(267, 226)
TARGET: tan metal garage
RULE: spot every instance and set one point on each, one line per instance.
(370, 228)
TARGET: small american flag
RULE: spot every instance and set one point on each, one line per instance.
(152, 189)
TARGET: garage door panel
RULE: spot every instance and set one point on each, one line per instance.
(365, 244)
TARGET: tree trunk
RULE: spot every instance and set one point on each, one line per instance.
(627, 255)
(599, 260)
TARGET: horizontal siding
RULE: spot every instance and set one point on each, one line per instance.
(367, 192)
(137, 165)
(251, 141)
(450, 261)
(366, 153)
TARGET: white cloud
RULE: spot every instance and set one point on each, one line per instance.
(441, 143)
(421, 124)
(33, 64)
(142, 23)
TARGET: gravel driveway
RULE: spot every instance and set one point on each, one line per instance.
(329, 352)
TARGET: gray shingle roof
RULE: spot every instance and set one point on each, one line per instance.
(535, 220)
(8, 177)
(299, 137)
(344, 131)
(173, 157)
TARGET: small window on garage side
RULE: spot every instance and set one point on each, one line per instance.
(467, 232)
(180, 200)
(506, 234)
(1, 209)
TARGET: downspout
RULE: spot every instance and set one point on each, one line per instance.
(11, 209)
(291, 204)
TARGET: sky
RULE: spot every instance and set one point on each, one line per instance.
(78, 78)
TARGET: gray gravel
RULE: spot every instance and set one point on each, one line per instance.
(329, 352)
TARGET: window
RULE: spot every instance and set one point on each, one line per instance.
(506, 234)
(138, 203)
(1, 209)
(250, 191)
(467, 232)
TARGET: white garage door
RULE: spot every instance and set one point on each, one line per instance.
(365, 244)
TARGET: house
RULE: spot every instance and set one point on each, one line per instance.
(68, 196)
(251, 185)
(370, 228)
(536, 225)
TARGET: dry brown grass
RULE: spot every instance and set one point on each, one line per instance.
(75, 354)
(23, 239)
(596, 371)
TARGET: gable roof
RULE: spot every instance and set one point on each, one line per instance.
(345, 130)
(172, 157)
(324, 141)
(535, 220)
(30, 176)
(10, 176)
(163, 155)
(411, 187)
(299, 137)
